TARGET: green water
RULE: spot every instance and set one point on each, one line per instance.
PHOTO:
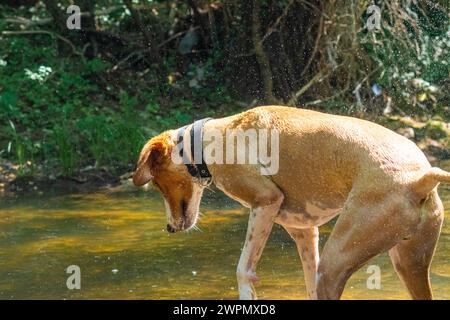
(118, 240)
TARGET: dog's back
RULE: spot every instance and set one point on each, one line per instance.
(323, 156)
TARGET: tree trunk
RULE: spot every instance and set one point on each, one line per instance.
(149, 38)
(263, 60)
(88, 24)
(59, 18)
(201, 19)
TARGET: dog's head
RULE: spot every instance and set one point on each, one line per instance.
(181, 194)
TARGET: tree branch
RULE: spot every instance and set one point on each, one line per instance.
(318, 77)
(275, 25)
(63, 39)
(42, 22)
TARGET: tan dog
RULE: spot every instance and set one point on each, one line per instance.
(379, 182)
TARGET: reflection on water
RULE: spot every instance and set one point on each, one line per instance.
(119, 242)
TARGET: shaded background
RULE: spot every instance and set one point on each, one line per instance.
(77, 101)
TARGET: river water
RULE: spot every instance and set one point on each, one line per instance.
(118, 240)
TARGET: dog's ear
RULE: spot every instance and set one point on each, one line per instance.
(153, 155)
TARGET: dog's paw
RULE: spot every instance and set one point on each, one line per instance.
(247, 292)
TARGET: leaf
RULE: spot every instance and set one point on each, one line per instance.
(12, 125)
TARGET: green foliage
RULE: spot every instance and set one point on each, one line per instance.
(20, 147)
(412, 54)
(65, 148)
(88, 107)
(67, 113)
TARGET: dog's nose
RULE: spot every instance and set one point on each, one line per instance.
(170, 229)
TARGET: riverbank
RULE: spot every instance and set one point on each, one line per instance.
(432, 137)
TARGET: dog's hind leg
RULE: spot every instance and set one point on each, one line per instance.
(412, 257)
(364, 229)
(307, 241)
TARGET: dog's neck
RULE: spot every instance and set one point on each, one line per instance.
(192, 152)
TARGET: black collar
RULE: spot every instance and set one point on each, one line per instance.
(197, 167)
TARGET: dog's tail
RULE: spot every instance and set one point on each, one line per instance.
(425, 184)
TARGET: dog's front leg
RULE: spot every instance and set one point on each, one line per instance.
(259, 226)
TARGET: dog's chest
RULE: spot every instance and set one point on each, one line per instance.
(312, 214)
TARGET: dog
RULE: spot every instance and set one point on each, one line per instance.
(379, 183)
